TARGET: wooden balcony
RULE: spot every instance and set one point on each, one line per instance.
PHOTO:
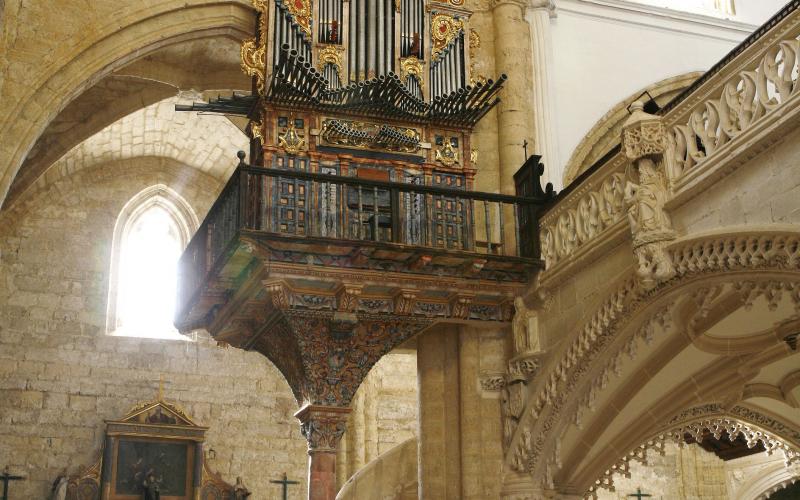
(282, 249)
(313, 231)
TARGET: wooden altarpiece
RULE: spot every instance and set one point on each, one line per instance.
(153, 437)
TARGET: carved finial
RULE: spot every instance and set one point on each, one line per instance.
(241, 155)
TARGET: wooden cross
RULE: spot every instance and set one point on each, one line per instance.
(285, 483)
(6, 477)
(639, 495)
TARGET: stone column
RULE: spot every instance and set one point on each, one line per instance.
(323, 427)
(515, 111)
(439, 456)
(539, 16)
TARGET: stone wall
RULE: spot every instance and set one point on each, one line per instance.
(61, 376)
(687, 472)
(384, 413)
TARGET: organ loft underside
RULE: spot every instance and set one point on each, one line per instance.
(352, 224)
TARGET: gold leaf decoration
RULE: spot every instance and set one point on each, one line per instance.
(444, 29)
(411, 66)
(330, 54)
(253, 63)
(301, 11)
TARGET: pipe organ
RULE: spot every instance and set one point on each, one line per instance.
(377, 89)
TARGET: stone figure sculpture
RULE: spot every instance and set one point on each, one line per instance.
(646, 195)
(526, 336)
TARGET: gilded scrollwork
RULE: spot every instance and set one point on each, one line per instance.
(447, 154)
(301, 12)
(331, 54)
(412, 67)
(252, 58)
(291, 140)
(444, 29)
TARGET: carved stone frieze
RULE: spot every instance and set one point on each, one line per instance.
(492, 382)
(756, 251)
(592, 213)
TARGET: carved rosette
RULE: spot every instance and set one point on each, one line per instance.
(322, 426)
(644, 140)
(412, 67)
(444, 29)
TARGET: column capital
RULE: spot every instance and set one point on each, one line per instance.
(322, 426)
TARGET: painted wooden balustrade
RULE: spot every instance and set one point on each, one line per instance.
(369, 224)
(720, 121)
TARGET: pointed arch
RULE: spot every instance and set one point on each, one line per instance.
(180, 215)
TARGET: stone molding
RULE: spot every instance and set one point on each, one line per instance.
(709, 254)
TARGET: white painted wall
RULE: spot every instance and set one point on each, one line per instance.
(605, 50)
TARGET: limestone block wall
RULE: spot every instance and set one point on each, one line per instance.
(687, 472)
(61, 376)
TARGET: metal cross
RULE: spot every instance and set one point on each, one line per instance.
(6, 477)
(639, 495)
(525, 148)
(285, 483)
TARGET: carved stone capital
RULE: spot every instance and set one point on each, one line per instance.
(643, 134)
(524, 367)
(322, 426)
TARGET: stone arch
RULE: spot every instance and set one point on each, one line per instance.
(605, 134)
(742, 421)
(768, 482)
(131, 35)
(172, 203)
(206, 143)
(625, 313)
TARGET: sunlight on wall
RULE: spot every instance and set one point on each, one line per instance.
(148, 276)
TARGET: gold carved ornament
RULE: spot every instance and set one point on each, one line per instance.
(291, 140)
(330, 54)
(301, 12)
(253, 62)
(474, 43)
(447, 154)
(411, 66)
(444, 29)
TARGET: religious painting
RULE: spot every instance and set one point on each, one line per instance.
(166, 463)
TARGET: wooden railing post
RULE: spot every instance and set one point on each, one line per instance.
(394, 201)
